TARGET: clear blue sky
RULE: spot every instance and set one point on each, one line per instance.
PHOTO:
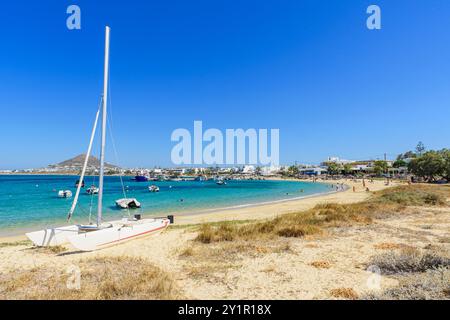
(310, 68)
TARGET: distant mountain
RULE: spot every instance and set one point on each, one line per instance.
(78, 161)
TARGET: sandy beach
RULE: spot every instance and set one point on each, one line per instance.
(269, 210)
(272, 210)
(286, 268)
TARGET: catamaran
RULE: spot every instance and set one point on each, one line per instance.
(101, 234)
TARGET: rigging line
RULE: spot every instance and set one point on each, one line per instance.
(110, 124)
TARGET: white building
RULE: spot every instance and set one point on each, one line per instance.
(248, 170)
(338, 160)
(268, 171)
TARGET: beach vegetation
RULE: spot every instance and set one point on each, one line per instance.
(434, 284)
(292, 171)
(334, 168)
(314, 221)
(430, 166)
(380, 167)
(422, 274)
(104, 278)
(15, 243)
(344, 293)
(347, 168)
(416, 195)
(409, 260)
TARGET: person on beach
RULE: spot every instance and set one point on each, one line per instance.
(354, 189)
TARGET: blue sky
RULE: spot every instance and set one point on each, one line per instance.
(310, 68)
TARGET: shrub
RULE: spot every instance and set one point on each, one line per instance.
(409, 260)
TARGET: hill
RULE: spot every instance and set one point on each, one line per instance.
(78, 162)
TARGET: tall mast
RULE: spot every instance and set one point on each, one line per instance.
(102, 150)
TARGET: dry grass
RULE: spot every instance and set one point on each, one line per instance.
(320, 264)
(433, 284)
(409, 260)
(50, 249)
(101, 278)
(388, 246)
(293, 225)
(416, 195)
(221, 245)
(345, 293)
(315, 220)
(16, 243)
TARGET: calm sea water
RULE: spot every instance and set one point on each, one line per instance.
(31, 201)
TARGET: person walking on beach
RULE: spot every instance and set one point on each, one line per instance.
(354, 189)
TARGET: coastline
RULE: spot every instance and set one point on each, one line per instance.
(262, 210)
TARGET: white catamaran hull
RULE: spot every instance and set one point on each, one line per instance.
(52, 236)
(118, 233)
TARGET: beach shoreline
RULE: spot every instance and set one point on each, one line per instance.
(256, 211)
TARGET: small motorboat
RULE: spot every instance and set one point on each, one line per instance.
(78, 182)
(128, 203)
(65, 194)
(221, 182)
(153, 188)
(92, 190)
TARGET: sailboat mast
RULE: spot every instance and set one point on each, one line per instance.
(103, 136)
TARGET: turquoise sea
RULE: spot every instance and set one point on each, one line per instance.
(31, 201)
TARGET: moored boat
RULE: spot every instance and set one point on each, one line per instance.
(92, 190)
(153, 188)
(141, 178)
(78, 182)
(128, 203)
(65, 194)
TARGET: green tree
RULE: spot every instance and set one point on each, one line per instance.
(334, 168)
(406, 155)
(258, 171)
(380, 167)
(293, 171)
(446, 157)
(399, 163)
(430, 166)
(347, 168)
(420, 148)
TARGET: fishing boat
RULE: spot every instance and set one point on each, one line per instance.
(65, 194)
(153, 188)
(100, 234)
